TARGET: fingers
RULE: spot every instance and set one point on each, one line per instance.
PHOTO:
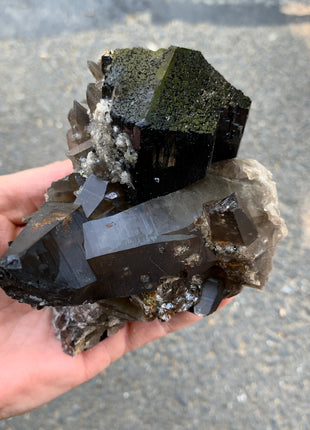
(224, 303)
(22, 193)
(7, 233)
(138, 333)
(132, 336)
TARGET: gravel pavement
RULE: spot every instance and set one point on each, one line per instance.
(248, 366)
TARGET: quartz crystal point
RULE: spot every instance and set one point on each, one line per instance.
(224, 226)
(157, 217)
(193, 268)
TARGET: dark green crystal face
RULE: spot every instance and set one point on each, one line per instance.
(132, 234)
(180, 113)
(174, 89)
(135, 75)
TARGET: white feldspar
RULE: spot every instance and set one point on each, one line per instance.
(113, 149)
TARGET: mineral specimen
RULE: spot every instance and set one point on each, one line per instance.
(158, 216)
(163, 117)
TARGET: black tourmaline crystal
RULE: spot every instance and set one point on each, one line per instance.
(178, 111)
(157, 217)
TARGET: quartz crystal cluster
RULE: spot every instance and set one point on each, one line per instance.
(158, 216)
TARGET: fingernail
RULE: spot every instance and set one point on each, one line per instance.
(210, 298)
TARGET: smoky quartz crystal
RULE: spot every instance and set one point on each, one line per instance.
(158, 216)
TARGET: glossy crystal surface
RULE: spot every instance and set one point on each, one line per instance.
(157, 217)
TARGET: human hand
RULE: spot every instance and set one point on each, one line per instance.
(34, 369)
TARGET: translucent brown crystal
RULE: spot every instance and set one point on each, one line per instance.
(157, 217)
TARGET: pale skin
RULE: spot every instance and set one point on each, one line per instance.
(33, 368)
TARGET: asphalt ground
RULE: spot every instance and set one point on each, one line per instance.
(248, 366)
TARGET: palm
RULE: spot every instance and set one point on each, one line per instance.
(29, 352)
(36, 369)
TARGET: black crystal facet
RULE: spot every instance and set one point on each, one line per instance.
(180, 113)
(157, 217)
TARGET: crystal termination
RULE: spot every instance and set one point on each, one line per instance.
(158, 216)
